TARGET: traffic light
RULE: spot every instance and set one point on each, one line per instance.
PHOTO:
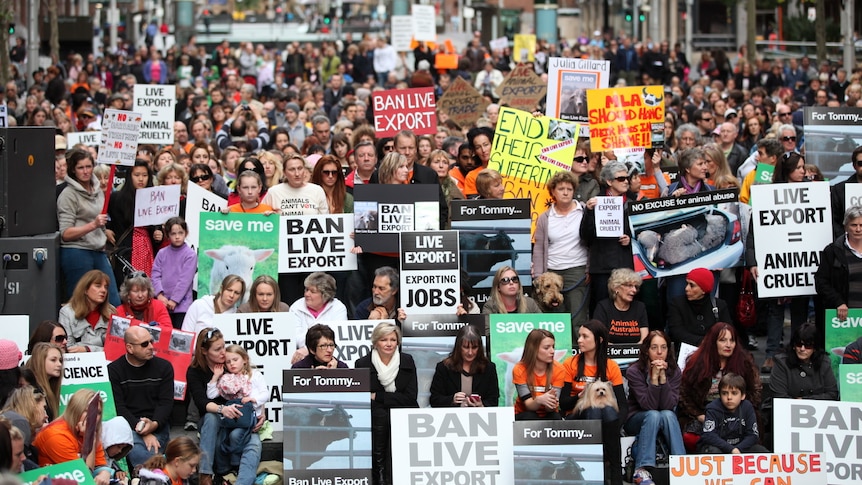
(327, 19)
(628, 14)
(11, 29)
(642, 17)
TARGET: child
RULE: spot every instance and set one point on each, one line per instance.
(117, 440)
(730, 425)
(179, 462)
(174, 271)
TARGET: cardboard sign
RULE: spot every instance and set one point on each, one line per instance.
(625, 117)
(609, 215)
(750, 468)
(430, 272)
(352, 338)
(525, 48)
(424, 23)
(316, 243)
(120, 132)
(87, 370)
(568, 82)
(404, 109)
(71, 470)
(156, 103)
(462, 103)
(86, 138)
(522, 89)
(402, 32)
(792, 223)
(381, 212)
(850, 382)
(569, 451)
(155, 205)
(199, 201)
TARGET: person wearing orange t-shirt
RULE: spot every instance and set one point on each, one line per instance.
(480, 138)
(248, 186)
(538, 379)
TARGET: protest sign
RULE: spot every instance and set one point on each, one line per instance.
(429, 339)
(831, 135)
(852, 197)
(445, 445)
(522, 89)
(430, 276)
(316, 243)
(524, 48)
(199, 200)
(840, 334)
(17, 329)
(570, 452)
(424, 23)
(171, 344)
(70, 470)
(508, 332)
(568, 82)
(527, 151)
(830, 428)
(792, 223)
(269, 340)
(239, 244)
(120, 131)
(4, 116)
(499, 43)
(404, 109)
(353, 339)
(674, 235)
(626, 117)
(753, 469)
(381, 212)
(609, 215)
(156, 103)
(87, 370)
(402, 32)
(86, 138)
(155, 205)
(850, 382)
(462, 102)
(327, 426)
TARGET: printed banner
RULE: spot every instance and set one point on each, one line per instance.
(753, 469)
(830, 428)
(609, 215)
(120, 132)
(269, 340)
(674, 235)
(524, 49)
(445, 445)
(522, 89)
(316, 243)
(404, 109)
(236, 243)
(568, 82)
(850, 382)
(156, 103)
(564, 452)
(199, 201)
(840, 334)
(402, 32)
(352, 339)
(381, 212)
(430, 272)
(71, 470)
(87, 370)
(86, 138)
(462, 103)
(424, 23)
(155, 205)
(327, 426)
(792, 224)
(831, 135)
(626, 117)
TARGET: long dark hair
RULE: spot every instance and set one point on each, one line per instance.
(44, 333)
(643, 358)
(600, 334)
(455, 360)
(707, 359)
(334, 196)
(471, 137)
(807, 334)
(123, 201)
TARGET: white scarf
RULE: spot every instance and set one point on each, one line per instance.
(386, 374)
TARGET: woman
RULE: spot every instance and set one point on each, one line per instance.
(164, 157)
(393, 169)
(201, 312)
(558, 247)
(207, 366)
(200, 153)
(438, 160)
(202, 174)
(507, 295)
(692, 173)
(62, 439)
(26, 409)
(538, 379)
(329, 176)
(85, 318)
(624, 317)
(393, 385)
(752, 132)
(46, 363)
(174, 174)
(466, 378)
(50, 332)
(424, 146)
(716, 163)
(248, 186)
(340, 147)
(654, 381)
(263, 297)
(139, 303)
(82, 224)
(587, 186)
(690, 316)
(179, 461)
(803, 371)
(296, 197)
(480, 138)
(320, 343)
(272, 167)
(717, 355)
(255, 165)
(37, 117)
(136, 243)
(317, 305)
(832, 279)
(280, 138)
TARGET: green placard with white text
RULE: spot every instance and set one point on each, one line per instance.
(850, 382)
(839, 334)
(87, 370)
(72, 470)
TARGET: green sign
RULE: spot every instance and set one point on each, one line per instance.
(850, 382)
(764, 173)
(839, 334)
(87, 370)
(71, 470)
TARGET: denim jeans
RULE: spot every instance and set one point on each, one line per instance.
(74, 262)
(209, 429)
(647, 425)
(140, 453)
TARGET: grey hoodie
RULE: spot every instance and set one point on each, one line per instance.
(77, 207)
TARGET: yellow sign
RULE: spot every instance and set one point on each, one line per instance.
(524, 48)
(626, 117)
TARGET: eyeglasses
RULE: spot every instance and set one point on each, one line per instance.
(326, 346)
(199, 178)
(509, 279)
(330, 173)
(784, 114)
(144, 344)
(60, 338)
(622, 178)
(788, 138)
(580, 159)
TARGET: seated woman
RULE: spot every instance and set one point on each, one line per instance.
(653, 393)
(690, 316)
(507, 294)
(318, 305)
(26, 410)
(466, 377)
(49, 332)
(85, 318)
(624, 317)
(538, 379)
(201, 312)
(138, 302)
(264, 296)
(320, 344)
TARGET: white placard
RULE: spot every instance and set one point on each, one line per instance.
(156, 103)
(792, 224)
(199, 200)
(754, 469)
(120, 131)
(830, 428)
(568, 81)
(685, 351)
(609, 214)
(269, 340)
(499, 43)
(4, 121)
(316, 243)
(86, 138)
(852, 196)
(155, 205)
(17, 329)
(424, 24)
(402, 32)
(430, 272)
(353, 339)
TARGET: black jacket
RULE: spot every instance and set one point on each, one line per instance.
(406, 387)
(447, 382)
(832, 277)
(802, 381)
(688, 321)
(606, 254)
(837, 193)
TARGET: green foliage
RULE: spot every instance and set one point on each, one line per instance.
(802, 30)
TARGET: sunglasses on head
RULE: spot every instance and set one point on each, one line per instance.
(211, 332)
(509, 279)
(580, 159)
(199, 178)
(137, 274)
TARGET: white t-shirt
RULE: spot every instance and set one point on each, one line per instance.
(308, 200)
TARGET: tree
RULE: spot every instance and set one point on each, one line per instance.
(751, 32)
(54, 40)
(5, 18)
(820, 30)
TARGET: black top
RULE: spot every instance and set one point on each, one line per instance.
(145, 391)
(447, 382)
(406, 386)
(196, 381)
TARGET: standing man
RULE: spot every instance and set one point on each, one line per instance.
(296, 129)
(143, 386)
(385, 60)
(733, 152)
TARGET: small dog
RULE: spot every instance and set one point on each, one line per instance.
(597, 395)
(547, 291)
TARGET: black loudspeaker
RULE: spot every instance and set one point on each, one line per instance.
(30, 274)
(28, 202)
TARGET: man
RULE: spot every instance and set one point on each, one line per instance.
(385, 59)
(200, 131)
(733, 152)
(839, 191)
(840, 84)
(704, 121)
(787, 136)
(278, 115)
(488, 80)
(332, 95)
(143, 387)
(296, 129)
(235, 130)
(366, 163)
(338, 111)
(321, 128)
(627, 62)
(181, 137)
(383, 303)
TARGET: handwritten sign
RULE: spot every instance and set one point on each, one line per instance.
(609, 216)
(424, 24)
(524, 48)
(625, 117)
(155, 205)
(120, 131)
(316, 243)
(462, 103)
(753, 469)
(404, 109)
(402, 32)
(156, 103)
(522, 89)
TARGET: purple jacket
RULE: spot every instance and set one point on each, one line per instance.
(643, 396)
(173, 274)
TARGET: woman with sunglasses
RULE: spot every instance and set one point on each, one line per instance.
(50, 332)
(328, 174)
(466, 377)
(202, 174)
(507, 294)
(138, 303)
(587, 186)
(320, 343)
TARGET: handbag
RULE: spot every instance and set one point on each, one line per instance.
(746, 314)
(247, 420)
